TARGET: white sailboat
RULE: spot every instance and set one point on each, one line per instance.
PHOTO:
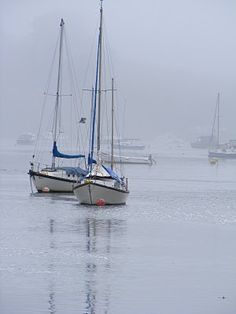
(128, 159)
(218, 150)
(55, 178)
(102, 185)
(131, 144)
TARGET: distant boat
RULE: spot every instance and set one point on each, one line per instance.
(102, 185)
(222, 154)
(56, 178)
(129, 144)
(26, 139)
(131, 152)
(203, 142)
(137, 160)
(224, 151)
(218, 150)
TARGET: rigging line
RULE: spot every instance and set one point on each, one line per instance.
(110, 67)
(107, 48)
(76, 99)
(105, 96)
(88, 68)
(71, 66)
(52, 65)
(89, 114)
(107, 74)
(45, 98)
(214, 120)
(105, 109)
(91, 57)
(104, 69)
(61, 127)
(91, 120)
(79, 109)
(60, 108)
(71, 131)
(86, 133)
(74, 80)
(218, 119)
(108, 114)
(116, 118)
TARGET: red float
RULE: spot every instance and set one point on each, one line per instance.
(100, 202)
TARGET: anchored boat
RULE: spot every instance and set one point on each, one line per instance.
(102, 185)
(57, 177)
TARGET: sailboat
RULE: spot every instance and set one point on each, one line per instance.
(132, 160)
(55, 178)
(222, 151)
(102, 185)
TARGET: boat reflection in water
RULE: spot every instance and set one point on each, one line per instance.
(87, 283)
(51, 269)
(99, 270)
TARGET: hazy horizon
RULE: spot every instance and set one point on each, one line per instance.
(170, 60)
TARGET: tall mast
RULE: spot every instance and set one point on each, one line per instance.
(218, 119)
(99, 84)
(58, 90)
(112, 124)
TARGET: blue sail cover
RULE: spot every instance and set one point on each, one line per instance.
(112, 174)
(91, 160)
(56, 153)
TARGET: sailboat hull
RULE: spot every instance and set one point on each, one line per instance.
(222, 155)
(91, 193)
(47, 183)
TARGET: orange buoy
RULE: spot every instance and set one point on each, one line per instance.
(100, 202)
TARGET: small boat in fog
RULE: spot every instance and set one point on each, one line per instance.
(128, 151)
(26, 139)
(203, 142)
(218, 150)
(56, 177)
(224, 151)
(222, 154)
(128, 159)
(129, 144)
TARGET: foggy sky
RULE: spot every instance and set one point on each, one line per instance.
(170, 57)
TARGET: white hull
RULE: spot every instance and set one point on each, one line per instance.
(91, 193)
(45, 183)
(222, 154)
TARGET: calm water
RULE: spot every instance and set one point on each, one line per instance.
(170, 250)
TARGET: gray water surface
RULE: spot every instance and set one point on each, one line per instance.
(170, 250)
